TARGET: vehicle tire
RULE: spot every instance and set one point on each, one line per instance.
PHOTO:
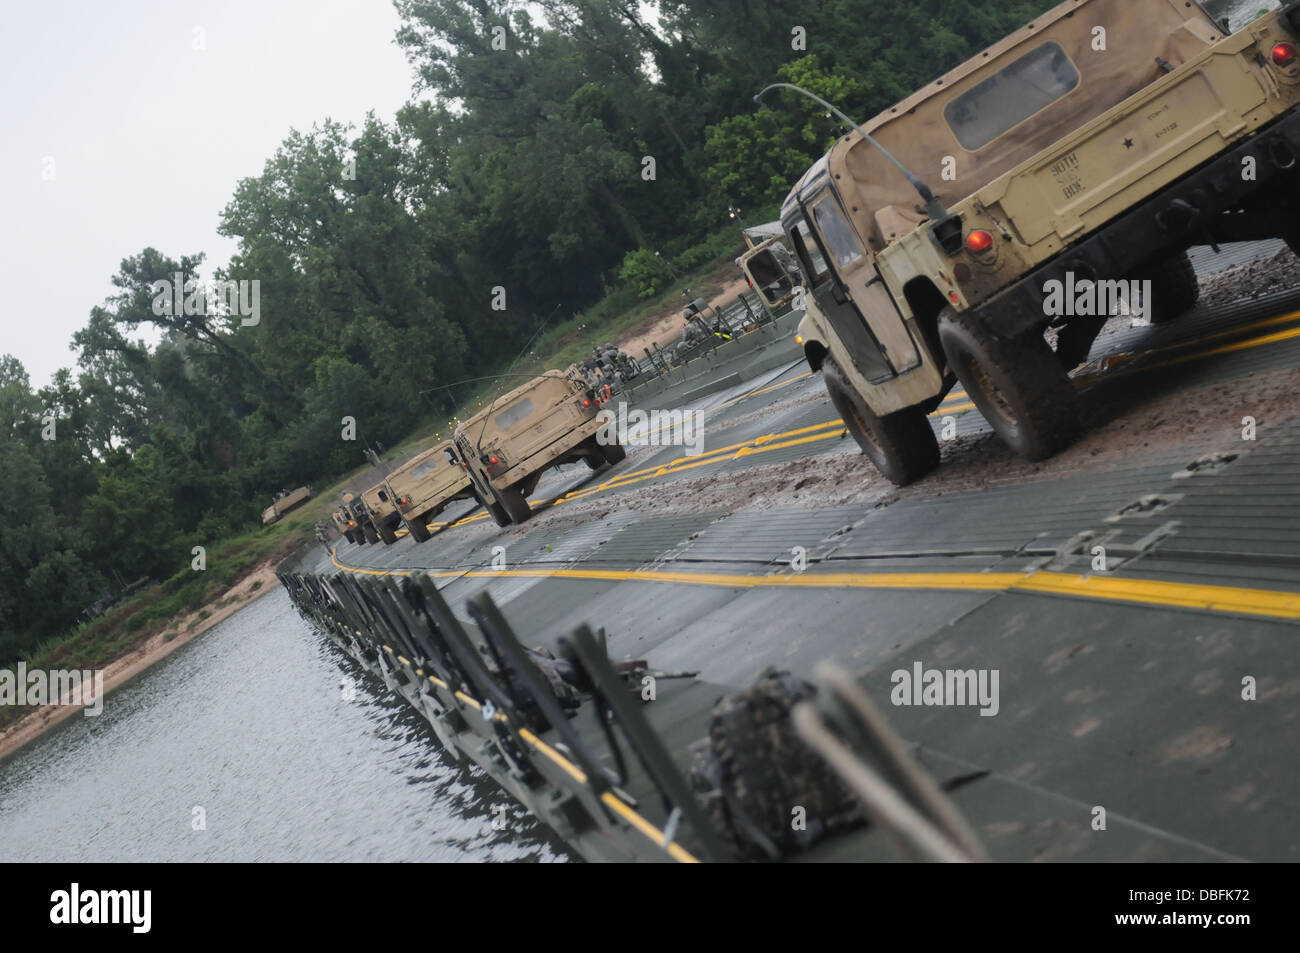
(386, 534)
(371, 535)
(514, 504)
(498, 513)
(614, 453)
(418, 527)
(348, 536)
(1016, 383)
(1175, 288)
(595, 462)
(902, 445)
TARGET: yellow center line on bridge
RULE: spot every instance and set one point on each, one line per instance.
(1266, 603)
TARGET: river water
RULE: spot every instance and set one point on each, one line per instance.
(249, 723)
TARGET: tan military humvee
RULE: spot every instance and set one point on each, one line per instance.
(340, 521)
(1095, 144)
(382, 510)
(550, 420)
(770, 268)
(285, 503)
(360, 529)
(425, 484)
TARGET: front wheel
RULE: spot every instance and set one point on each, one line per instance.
(902, 445)
(1016, 383)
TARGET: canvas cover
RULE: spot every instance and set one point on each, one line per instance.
(916, 131)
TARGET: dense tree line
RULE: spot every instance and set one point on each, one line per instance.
(550, 148)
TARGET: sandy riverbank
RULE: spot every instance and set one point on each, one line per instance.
(156, 648)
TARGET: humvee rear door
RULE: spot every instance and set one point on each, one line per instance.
(854, 298)
(767, 275)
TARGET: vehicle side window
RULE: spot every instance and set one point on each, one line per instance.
(451, 456)
(810, 256)
(836, 231)
(383, 496)
(514, 413)
(1010, 96)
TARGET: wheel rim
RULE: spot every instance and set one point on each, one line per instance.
(989, 391)
(861, 426)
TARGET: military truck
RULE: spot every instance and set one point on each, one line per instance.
(359, 528)
(284, 502)
(423, 486)
(548, 421)
(381, 508)
(340, 521)
(770, 268)
(1095, 144)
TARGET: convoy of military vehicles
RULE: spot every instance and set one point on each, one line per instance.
(496, 457)
(1073, 168)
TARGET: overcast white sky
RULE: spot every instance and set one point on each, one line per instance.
(149, 135)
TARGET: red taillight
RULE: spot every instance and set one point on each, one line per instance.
(493, 460)
(1284, 54)
(978, 242)
(585, 402)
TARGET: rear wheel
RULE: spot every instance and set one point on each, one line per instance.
(419, 528)
(1175, 288)
(514, 504)
(371, 535)
(498, 513)
(348, 536)
(615, 453)
(386, 534)
(1016, 383)
(902, 445)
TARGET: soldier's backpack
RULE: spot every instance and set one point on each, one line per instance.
(768, 793)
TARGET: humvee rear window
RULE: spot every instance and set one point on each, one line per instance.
(1010, 96)
(514, 413)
